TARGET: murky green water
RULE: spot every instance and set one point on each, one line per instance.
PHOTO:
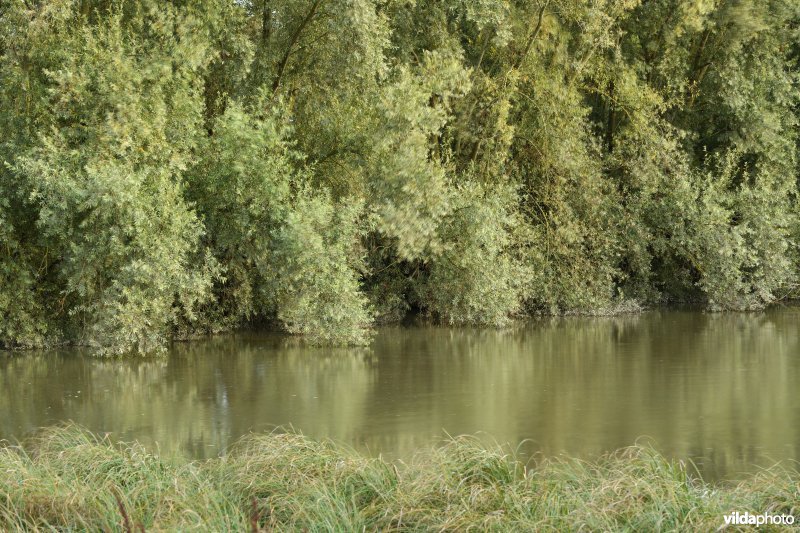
(721, 389)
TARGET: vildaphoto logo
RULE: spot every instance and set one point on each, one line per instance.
(742, 519)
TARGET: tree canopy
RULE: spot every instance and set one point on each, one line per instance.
(174, 168)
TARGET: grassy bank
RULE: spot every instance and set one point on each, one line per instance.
(68, 479)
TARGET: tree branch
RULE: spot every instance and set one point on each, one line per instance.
(532, 36)
(295, 37)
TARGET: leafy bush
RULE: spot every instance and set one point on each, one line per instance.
(479, 276)
(173, 168)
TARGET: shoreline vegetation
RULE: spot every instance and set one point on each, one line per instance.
(169, 169)
(68, 479)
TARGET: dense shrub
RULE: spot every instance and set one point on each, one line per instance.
(174, 168)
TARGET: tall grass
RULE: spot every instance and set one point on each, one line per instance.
(67, 479)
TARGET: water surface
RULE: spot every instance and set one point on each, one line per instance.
(720, 389)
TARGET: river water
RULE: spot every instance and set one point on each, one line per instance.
(719, 389)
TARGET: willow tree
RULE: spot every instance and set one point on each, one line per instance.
(189, 167)
(112, 104)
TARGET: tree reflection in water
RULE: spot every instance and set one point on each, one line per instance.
(717, 388)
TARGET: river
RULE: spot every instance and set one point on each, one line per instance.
(718, 389)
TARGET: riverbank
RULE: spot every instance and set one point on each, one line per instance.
(69, 479)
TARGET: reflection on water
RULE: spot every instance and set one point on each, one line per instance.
(720, 389)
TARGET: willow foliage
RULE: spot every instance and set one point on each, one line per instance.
(178, 168)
